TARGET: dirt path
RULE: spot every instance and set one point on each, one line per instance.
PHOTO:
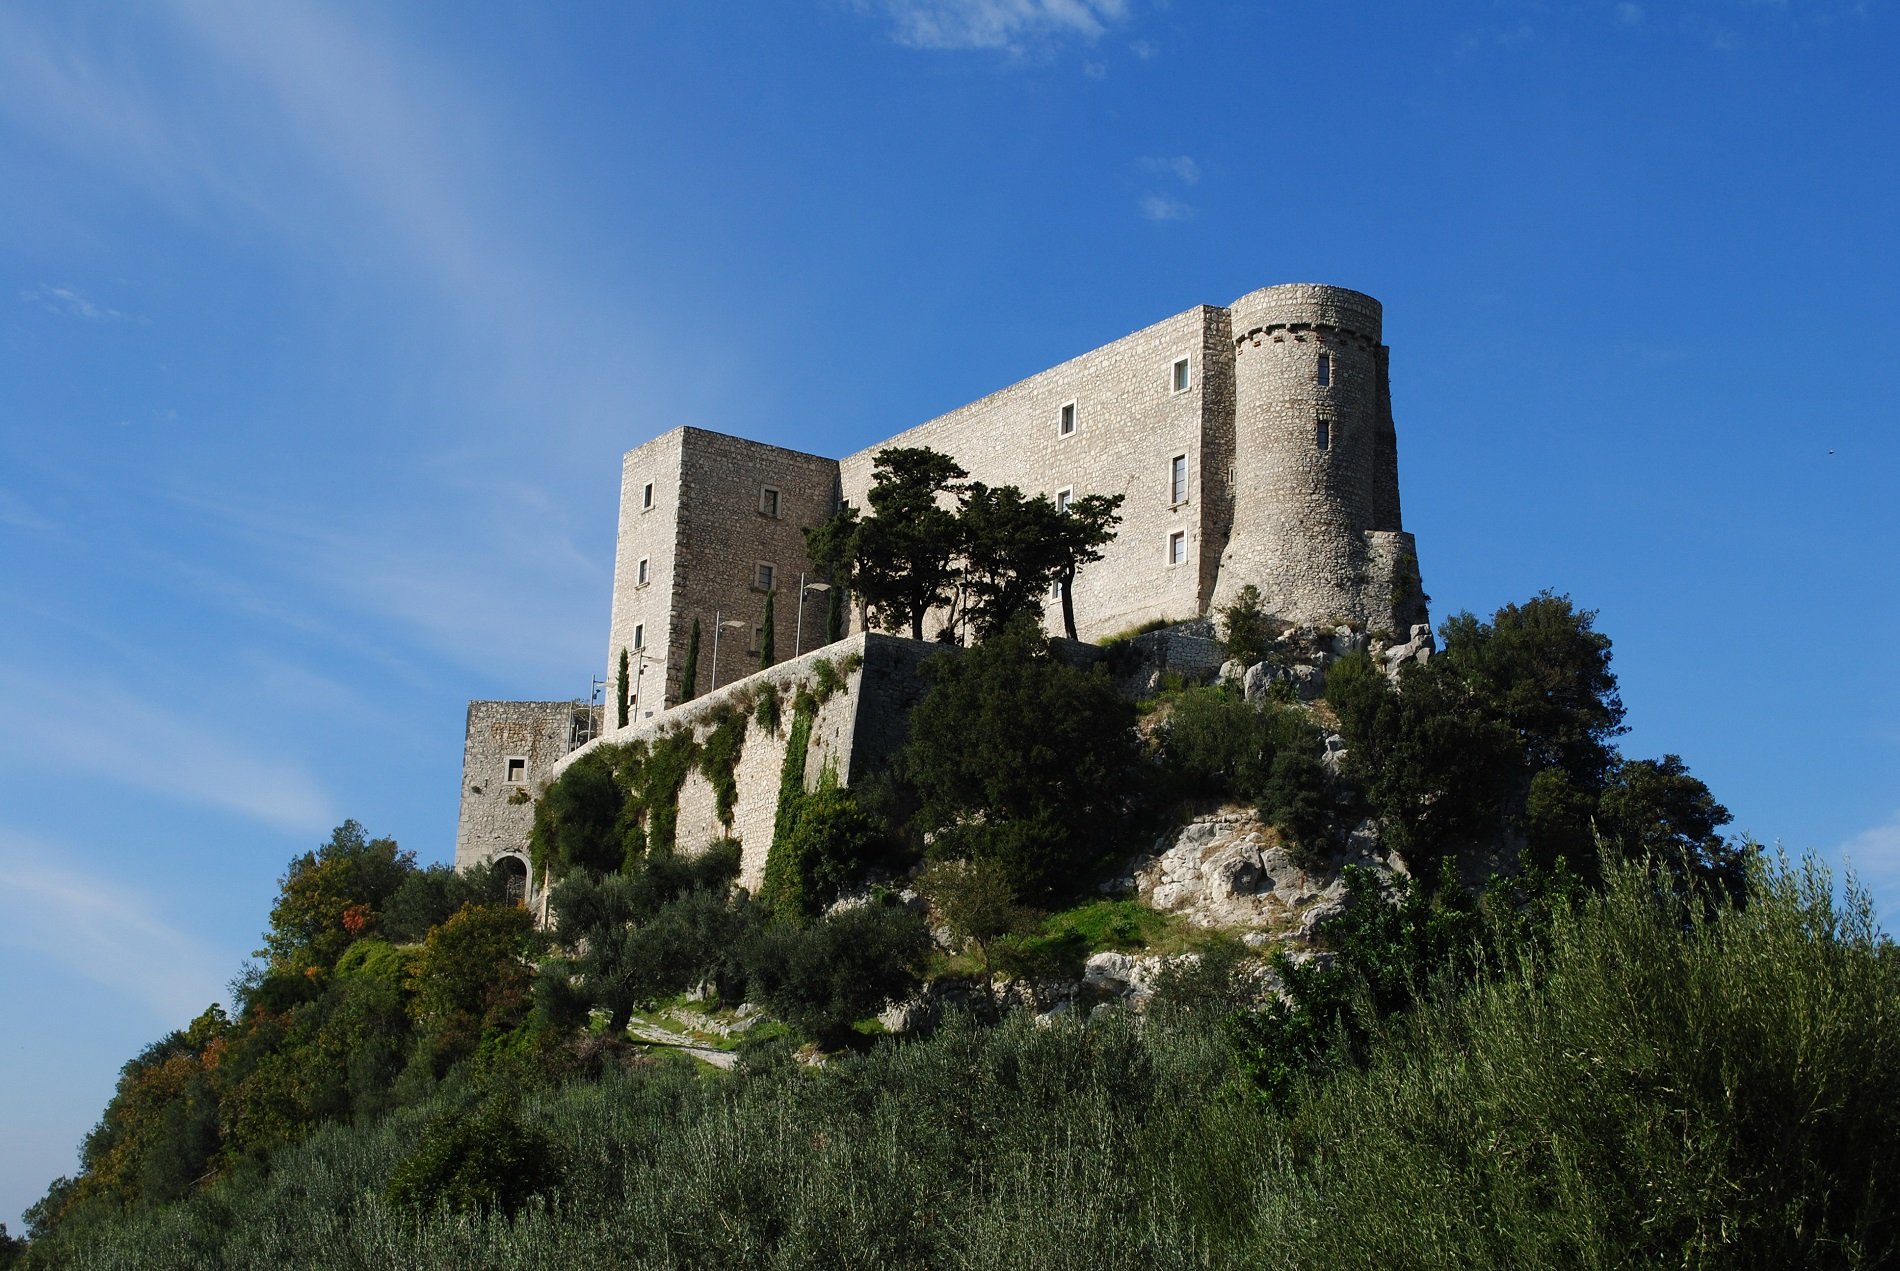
(654, 1035)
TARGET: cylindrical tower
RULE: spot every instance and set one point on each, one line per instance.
(1316, 499)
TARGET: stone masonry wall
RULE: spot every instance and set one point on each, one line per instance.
(855, 731)
(1129, 425)
(535, 737)
(710, 526)
(1312, 452)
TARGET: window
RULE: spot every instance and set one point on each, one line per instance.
(763, 579)
(1325, 370)
(1177, 479)
(646, 497)
(1177, 548)
(1064, 497)
(1065, 422)
(1323, 434)
(645, 576)
(639, 635)
(768, 501)
(517, 770)
(758, 641)
(1180, 379)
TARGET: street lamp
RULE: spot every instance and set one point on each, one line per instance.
(639, 669)
(798, 632)
(718, 626)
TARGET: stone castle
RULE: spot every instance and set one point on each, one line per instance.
(1253, 444)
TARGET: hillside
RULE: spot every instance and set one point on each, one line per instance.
(1339, 959)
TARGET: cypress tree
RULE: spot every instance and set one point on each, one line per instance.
(689, 674)
(767, 637)
(621, 689)
(834, 614)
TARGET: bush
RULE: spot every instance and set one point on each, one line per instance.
(472, 1163)
(827, 976)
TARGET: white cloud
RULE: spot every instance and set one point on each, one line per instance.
(1874, 857)
(1181, 167)
(70, 303)
(1162, 207)
(1629, 14)
(997, 24)
(97, 928)
(147, 747)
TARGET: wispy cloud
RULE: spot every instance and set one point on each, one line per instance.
(1162, 207)
(1874, 856)
(149, 747)
(1181, 167)
(108, 934)
(1012, 25)
(70, 303)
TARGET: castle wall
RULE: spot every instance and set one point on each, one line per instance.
(856, 730)
(510, 749)
(1129, 424)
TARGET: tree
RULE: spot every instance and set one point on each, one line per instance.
(768, 636)
(1077, 541)
(1653, 808)
(900, 561)
(471, 977)
(1543, 670)
(325, 893)
(1018, 756)
(825, 977)
(622, 688)
(689, 671)
(976, 902)
(1014, 550)
(1245, 627)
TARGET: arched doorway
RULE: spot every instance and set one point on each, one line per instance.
(516, 871)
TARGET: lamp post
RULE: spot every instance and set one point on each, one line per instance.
(717, 627)
(798, 631)
(639, 669)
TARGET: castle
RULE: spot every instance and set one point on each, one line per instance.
(1253, 445)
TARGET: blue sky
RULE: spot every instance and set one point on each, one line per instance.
(322, 329)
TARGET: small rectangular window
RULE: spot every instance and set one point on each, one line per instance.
(1066, 421)
(1180, 379)
(517, 771)
(1177, 479)
(1323, 434)
(646, 497)
(764, 577)
(639, 635)
(768, 501)
(1064, 497)
(758, 641)
(1325, 370)
(1177, 548)
(645, 575)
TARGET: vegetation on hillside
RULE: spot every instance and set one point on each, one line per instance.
(1642, 1044)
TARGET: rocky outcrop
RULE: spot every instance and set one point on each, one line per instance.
(1228, 869)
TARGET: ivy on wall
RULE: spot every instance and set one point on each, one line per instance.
(719, 760)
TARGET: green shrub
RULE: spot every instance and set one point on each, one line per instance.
(473, 1163)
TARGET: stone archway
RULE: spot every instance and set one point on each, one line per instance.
(516, 871)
